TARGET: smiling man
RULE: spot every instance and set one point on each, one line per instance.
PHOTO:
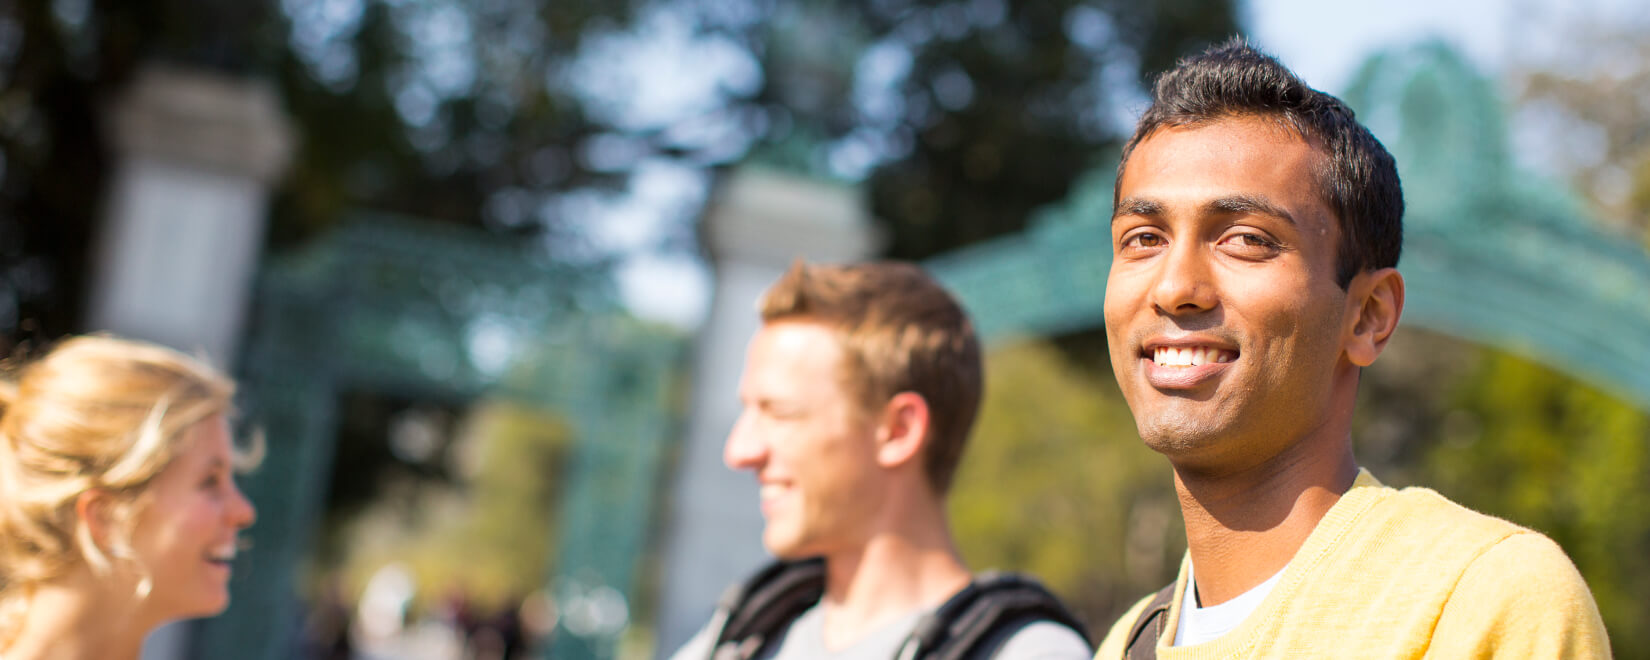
(1255, 240)
(859, 392)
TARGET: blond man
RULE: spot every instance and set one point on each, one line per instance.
(858, 394)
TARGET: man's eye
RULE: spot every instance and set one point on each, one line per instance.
(1144, 240)
(777, 411)
(1251, 244)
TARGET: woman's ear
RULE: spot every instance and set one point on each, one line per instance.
(1375, 300)
(902, 429)
(94, 511)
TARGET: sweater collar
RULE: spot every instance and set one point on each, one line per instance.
(1366, 490)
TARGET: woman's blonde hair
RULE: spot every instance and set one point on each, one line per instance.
(96, 412)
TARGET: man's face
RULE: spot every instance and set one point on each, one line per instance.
(805, 438)
(1222, 311)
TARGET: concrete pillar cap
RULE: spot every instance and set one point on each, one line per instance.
(766, 216)
(202, 118)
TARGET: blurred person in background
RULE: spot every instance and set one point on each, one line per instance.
(858, 394)
(1255, 237)
(118, 505)
(326, 631)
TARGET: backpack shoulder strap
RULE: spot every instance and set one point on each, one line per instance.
(974, 621)
(1143, 646)
(751, 613)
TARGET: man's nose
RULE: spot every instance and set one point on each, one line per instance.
(1184, 282)
(744, 449)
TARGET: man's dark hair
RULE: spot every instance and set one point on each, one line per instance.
(1359, 179)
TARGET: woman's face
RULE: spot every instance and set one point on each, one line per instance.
(186, 536)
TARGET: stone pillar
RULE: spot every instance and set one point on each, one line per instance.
(196, 156)
(757, 224)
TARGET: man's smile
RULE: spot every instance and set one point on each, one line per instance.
(1191, 356)
(1184, 363)
(772, 495)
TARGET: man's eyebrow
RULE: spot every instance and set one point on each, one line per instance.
(1249, 204)
(1137, 206)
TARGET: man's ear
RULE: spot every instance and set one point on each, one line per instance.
(902, 429)
(1375, 300)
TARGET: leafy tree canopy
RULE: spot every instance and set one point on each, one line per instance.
(524, 118)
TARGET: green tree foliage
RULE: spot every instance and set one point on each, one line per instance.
(1002, 117)
(964, 116)
(1056, 483)
(446, 110)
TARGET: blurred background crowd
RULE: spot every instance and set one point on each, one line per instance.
(485, 269)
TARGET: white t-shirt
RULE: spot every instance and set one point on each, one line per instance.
(1203, 624)
(805, 640)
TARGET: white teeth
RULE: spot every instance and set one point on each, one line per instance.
(1170, 356)
(770, 491)
(222, 554)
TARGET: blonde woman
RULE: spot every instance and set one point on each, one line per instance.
(118, 505)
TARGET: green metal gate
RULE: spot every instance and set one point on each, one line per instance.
(399, 306)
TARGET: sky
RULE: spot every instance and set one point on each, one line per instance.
(1324, 42)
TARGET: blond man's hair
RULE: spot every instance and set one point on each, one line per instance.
(901, 332)
(94, 413)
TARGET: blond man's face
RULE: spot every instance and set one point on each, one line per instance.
(804, 437)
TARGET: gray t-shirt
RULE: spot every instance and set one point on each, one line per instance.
(805, 640)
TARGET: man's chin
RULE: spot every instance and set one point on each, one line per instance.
(1180, 438)
(778, 546)
(789, 547)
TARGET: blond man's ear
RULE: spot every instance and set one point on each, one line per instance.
(902, 429)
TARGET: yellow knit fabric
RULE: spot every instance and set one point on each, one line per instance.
(1406, 574)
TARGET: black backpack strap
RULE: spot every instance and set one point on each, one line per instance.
(750, 614)
(977, 619)
(1143, 646)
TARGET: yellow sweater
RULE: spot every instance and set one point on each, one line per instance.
(1406, 574)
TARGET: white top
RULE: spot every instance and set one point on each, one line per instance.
(1203, 624)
